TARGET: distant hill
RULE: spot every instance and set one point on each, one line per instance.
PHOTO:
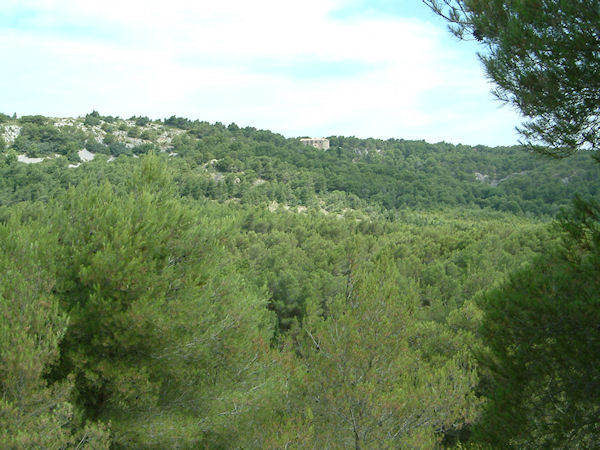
(229, 163)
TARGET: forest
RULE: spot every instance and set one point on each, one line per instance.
(181, 284)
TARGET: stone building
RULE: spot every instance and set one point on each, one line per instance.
(320, 143)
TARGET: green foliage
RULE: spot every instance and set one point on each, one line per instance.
(11, 158)
(541, 333)
(364, 376)
(254, 292)
(34, 120)
(107, 127)
(540, 55)
(97, 147)
(369, 174)
(33, 412)
(151, 327)
(118, 148)
(540, 328)
(179, 122)
(133, 132)
(149, 135)
(141, 121)
(144, 149)
(453, 259)
(38, 139)
(109, 139)
(109, 119)
(92, 119)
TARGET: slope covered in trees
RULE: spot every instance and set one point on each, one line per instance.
(258, 166)
(199, 285)
(539, 332)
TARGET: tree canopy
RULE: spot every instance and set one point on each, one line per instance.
(227, 287)
(540, 328)
(543, 57)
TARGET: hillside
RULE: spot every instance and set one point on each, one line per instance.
(250, 166)
(180, 284)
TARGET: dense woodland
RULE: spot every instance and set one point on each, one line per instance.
(202, 285)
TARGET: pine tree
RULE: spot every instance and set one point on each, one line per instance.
(164, 338)
(542, 56)
(543, 346)
(33, 412)
(367, 374)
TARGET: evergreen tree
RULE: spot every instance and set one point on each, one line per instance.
(540, 328)
(163, 337)
(368, 376)
(542, 55)
(33, 412)
(543, 346)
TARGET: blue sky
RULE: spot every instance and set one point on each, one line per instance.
(386, 8)
(383, 68)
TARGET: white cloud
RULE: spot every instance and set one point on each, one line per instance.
(213, 61)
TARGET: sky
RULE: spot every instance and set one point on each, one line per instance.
(365, 68)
